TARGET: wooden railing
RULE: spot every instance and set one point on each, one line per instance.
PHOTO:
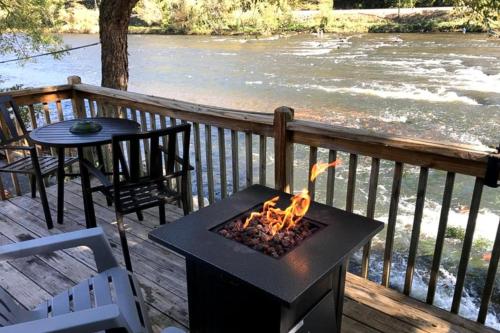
(278, 135)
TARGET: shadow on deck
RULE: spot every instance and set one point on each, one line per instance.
(368, 308)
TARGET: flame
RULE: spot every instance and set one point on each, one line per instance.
(276, 218)
(319, 168)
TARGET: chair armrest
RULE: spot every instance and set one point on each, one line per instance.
(94, 239)
(177, 158)
(91, 320)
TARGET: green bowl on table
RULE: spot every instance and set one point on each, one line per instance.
(85, 127)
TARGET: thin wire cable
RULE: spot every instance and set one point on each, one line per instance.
(49, 53)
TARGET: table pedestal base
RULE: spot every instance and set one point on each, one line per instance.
(220, 303)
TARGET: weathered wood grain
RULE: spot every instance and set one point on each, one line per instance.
(438, 249)
(256, 122)
(467, 244)
(351, 182)
(41, 94)
(369, 308)
(415, 234)
(391, 224)
(370, 212)
(313, 159)
(222, 162)
(235, 161)
(197, 165)
(210, 165)
(249, 158)
(460, 158)
(403, 308)
(330, 180)
(283, 150)
(490, 278)
(262, 159)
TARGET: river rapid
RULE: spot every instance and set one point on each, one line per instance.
(442, 87)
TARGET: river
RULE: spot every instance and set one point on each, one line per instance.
(435, 86)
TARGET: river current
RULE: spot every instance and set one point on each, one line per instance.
(443, 87)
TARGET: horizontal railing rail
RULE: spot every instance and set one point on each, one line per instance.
(232, 149)
(461, 158)
(41, 95)
(260, 123)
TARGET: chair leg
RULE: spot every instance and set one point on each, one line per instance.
(100, 159)
(123, 241)
(33, 186)
(184, 196)
(41, 189)
(185, 206)
(162, 214)
(45, 202)
(102, 167)
(140, 217)
(60, 185)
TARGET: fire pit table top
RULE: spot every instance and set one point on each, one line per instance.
(285, 278)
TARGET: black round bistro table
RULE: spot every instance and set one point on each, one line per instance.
(59, 136)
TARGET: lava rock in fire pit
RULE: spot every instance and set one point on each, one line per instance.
(258, 235)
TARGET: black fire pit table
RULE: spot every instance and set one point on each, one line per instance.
(234, 288)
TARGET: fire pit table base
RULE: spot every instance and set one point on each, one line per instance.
(219, 303)
(235, 288)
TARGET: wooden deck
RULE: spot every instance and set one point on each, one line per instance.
(368, 308)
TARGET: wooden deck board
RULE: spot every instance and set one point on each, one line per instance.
(369, 308)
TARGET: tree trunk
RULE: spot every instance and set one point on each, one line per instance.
(114, 18)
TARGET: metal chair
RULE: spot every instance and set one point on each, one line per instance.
(111, 299)
(133, 193)
(14, 136)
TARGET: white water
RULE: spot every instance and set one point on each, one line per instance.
(404, 91)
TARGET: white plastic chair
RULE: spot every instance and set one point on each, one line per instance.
(110, 299)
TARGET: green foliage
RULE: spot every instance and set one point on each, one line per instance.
(403, 3)
(434, 3)
(330, 21)
(81, 19)
(438, 21)
(264, 17)
(25, 26)
(256, 17)
(226, 16)
(364, 4)
(487, 12)
(455, 233)
(482, 245)
(200, 17)
(151, 13)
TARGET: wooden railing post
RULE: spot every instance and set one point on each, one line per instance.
(283, 149)
(76, 101)
(80, 112)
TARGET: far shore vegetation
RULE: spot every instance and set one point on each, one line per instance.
(267, 17)
(29, 27)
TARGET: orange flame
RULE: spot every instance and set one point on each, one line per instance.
(319, 168)
(276, 218)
